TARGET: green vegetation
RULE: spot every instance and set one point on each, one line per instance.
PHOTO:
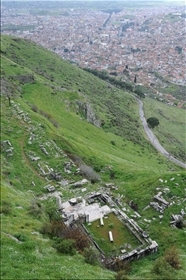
(121, 235)
(153, 122)
(140, 91)
(104, 76)
(178, 91)
(66, 246)
(91, 256)
(168, 265)
(172, 17)
(128, 17)
(171, 131)
(43, 118)
(17, 27)
(31, 255)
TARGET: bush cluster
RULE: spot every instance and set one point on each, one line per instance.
(91, 256)
(36, 209)
(58, 231)
(66, 240)
(89, 173)
(104, 76)
(6, 207)
(165, 267)
(65, 246)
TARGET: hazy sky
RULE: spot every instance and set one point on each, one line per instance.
(183, 1)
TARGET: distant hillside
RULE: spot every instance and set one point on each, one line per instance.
(55, 119)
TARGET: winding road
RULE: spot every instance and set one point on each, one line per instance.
(153, 138)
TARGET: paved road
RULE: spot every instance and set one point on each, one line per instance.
(153, 138)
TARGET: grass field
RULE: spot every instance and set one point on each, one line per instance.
(121, 235)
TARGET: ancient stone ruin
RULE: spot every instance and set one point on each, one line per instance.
(80, 210)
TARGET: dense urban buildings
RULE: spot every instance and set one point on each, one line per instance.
(138, 43)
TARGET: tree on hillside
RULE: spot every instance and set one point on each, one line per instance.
(121, 275)
(8, 89)
(91, 255)
(165, 267)
(152, 122)
(162, 269)
(81, 239)
(64, 246)
(139, 91)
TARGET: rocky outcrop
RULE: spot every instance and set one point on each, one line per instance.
(88, 113)
(24, 78)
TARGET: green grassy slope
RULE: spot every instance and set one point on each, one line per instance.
(31, 256)
(172, 131)
(60, 75)
(45, 112)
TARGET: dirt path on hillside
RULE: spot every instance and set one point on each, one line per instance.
(154, 141)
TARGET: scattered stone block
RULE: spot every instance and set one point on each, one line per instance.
(58, 201)
(34, 158)
(45, 187)
(111, 236)
(19, 207)
(101, 221)
(79, 183)
(108, 185)
(147, 207)
(51, 189)
(133, 216)
(161, 199)
(64, 183)
(123, 251)
(137, 214)
(43, 150)
(55, 176)
(9, 150)
(8, 142)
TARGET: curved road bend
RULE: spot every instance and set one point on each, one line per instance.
(153, 138)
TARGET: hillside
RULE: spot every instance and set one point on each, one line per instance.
(56, 118)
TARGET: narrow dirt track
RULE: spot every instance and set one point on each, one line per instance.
(153, 138)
